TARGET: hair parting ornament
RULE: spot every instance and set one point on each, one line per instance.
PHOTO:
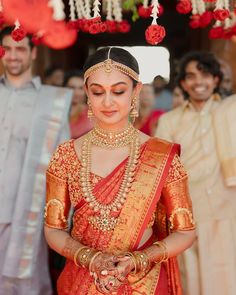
(108, 65)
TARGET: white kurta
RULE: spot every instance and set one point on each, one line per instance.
(210, 265)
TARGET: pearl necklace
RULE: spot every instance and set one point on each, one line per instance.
(103, 221)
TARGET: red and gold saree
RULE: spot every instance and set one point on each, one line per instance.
(158, 198)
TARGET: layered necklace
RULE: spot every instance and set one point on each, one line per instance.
(110, 140)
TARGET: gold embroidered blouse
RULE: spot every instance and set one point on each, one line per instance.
(64, 191)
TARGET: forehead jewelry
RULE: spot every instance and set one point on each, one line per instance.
(108, 65)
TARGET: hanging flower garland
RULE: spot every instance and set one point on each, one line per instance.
(96, 25)
(155, 33)
(205, 12)
(110, 22)
(44, 19)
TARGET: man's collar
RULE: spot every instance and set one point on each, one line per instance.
(36, 82)
(188, 104)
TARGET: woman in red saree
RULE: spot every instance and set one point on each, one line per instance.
(148, 118)
(132, 212)
(79, 121)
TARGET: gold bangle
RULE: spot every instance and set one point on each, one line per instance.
(85, 256)
(143, 261)
(131, 255)
(165, 255)
(77, 253)
(92, 260)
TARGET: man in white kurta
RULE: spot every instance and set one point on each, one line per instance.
(210, 265)
(33, 121)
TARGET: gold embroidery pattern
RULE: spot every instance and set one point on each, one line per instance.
(176, 199)
(65, 165)
(176, 171)
(181, 214)
(54, 214)
(55, 202)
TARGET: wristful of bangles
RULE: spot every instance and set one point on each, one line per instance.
(99, 265)
(105, 268)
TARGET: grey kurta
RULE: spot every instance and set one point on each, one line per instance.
(18, 110)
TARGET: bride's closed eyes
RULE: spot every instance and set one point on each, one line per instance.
(116, 90)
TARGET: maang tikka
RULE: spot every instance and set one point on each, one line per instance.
(108, 65)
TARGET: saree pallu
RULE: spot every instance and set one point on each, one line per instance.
(134, 218)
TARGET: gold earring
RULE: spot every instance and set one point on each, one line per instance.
(134, 108)
(90, 112)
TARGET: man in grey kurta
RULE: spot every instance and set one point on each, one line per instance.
(33, 120)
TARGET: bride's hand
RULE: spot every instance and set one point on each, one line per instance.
(123, 268)
(102, 264)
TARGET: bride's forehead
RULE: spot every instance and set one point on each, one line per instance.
(102, 77)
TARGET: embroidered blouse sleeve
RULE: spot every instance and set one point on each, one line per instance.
(176, 199)
(57, 195)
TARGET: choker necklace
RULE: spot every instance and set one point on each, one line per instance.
(112, 139)
(103, 220)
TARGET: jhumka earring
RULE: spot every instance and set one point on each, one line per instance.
(134, 109)
(90, 112)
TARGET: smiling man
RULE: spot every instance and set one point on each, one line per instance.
(204, 128)
(33, 121)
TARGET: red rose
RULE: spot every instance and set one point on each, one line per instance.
(123, 26)
(221, 14)
(86, 25)
(184, 7)
(94, 28)
(111, 26)
(18, 34)
(160, 10)
(205, 19)
(195, 21)
(2, 51)
(144, 12)
(154, 34)
(103, 27)
(210, 1)
(216, 33)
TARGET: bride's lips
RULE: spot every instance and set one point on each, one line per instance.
(108, 113)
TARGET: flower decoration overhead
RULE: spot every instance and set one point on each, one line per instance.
(219, 14)
(47, 22)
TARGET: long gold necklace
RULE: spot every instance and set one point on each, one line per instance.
(103, 221)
